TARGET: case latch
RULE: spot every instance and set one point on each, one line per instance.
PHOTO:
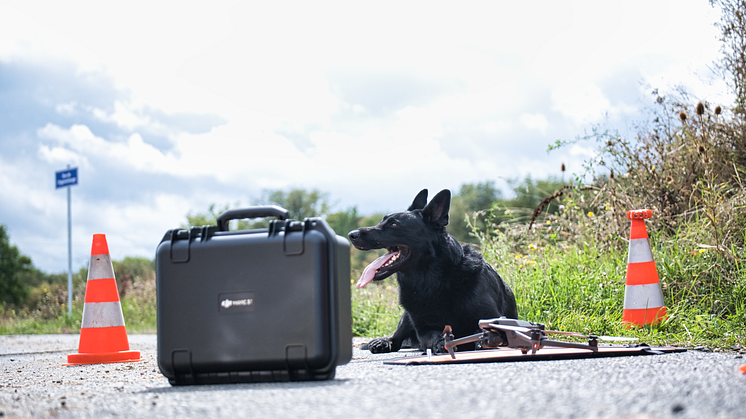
(179, 254)
(296, 359)
(292, 242)
(181, 360)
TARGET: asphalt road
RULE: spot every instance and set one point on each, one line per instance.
(692, 384)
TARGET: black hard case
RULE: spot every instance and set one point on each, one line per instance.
(253, 305)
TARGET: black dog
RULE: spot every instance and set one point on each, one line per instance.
(441, 282)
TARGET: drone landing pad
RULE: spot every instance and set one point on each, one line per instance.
(545, 354)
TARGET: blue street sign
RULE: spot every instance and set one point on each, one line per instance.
(67, 177)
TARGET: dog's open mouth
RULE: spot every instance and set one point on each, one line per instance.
(384, 266)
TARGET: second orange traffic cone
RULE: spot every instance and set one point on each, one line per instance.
(103, 337)
(643, 299)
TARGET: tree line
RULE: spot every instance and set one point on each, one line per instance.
(471, 204)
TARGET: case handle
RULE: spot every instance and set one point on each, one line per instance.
(251, 212)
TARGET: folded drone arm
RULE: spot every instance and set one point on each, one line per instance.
(451, 343)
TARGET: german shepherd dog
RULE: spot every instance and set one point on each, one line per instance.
(441, 282)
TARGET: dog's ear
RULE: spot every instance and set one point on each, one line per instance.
(436, 212)
(419, 201)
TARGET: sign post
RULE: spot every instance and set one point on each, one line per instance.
(67, 178)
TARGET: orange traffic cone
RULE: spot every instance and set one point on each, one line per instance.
(643, 299)
(103, 337)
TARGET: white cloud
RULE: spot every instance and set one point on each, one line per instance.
(28, 194)
(494, 127)
(585, 105)
(122, 116)
(128, 227)
(582, 151)
(67, 109)
(79, 136)
(78, 143)
(535, 121)
(59, 155)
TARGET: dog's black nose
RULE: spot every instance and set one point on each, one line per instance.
(354, 234)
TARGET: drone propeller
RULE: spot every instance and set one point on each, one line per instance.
(505, 327)
(557, 332)
(616, 339)
(601, 338)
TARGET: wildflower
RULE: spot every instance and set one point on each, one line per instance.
(549, 222)
(718, 110)
(700, 109)
(682, 116)
(590, 213)
(608, 208)
(702, 251)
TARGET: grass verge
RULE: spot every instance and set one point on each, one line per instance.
(581, 289)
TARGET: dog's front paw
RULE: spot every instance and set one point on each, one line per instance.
(439, 347)
(380, 346)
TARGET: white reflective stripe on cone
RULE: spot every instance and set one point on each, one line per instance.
(639, 251)
(102, 315)
(100, 267)
(643, 296)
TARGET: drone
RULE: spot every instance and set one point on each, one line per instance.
(520, 334)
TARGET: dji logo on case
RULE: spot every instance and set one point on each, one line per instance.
(230, 303)
(235, 302)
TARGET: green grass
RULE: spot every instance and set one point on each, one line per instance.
(375, 309)
(138, 308)
(12, 324)
(139, 318)
(582, 290)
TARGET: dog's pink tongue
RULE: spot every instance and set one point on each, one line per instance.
(370, 270)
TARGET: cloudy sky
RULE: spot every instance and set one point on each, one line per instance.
(166, 107)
